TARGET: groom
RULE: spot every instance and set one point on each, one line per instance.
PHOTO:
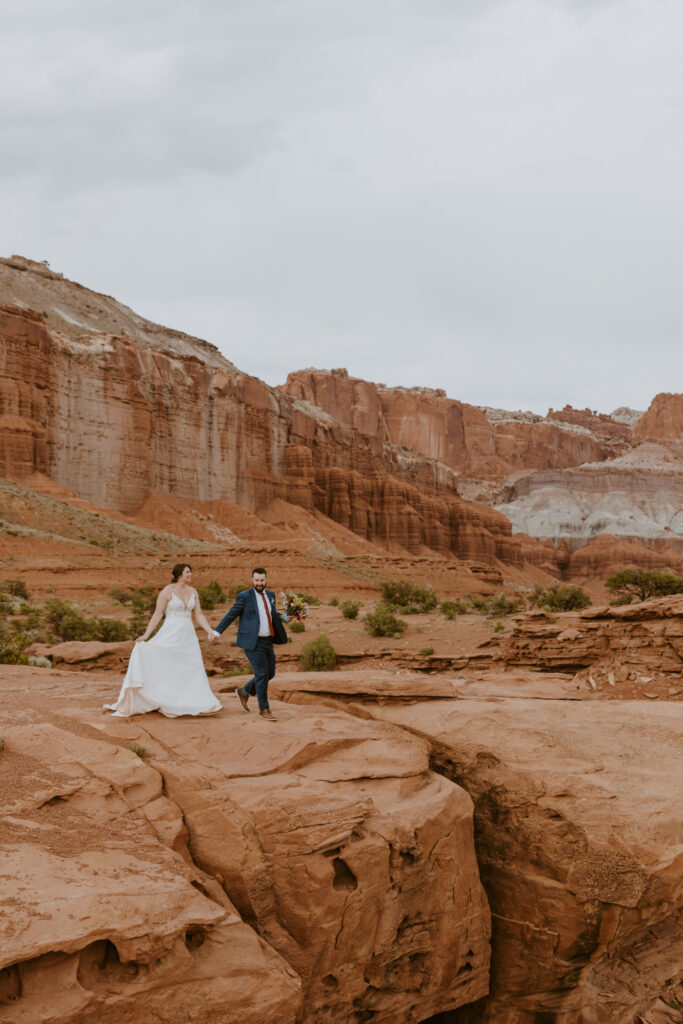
(258, 617)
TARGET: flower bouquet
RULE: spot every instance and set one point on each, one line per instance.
(295, 607)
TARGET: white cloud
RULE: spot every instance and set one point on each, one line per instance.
(479, 196)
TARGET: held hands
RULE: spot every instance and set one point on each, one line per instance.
(211, 636)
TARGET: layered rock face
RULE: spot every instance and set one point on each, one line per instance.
(326, 875)
(119, 417)
(478, 444)
(611, 644)
(639, 494)
(569, 477)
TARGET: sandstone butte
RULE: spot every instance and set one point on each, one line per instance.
(489, 834)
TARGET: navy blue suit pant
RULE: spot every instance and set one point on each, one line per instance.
(262, 661)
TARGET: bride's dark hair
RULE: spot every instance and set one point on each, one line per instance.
(177, 570)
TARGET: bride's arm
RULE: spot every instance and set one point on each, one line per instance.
(200, 617)
(162, 600)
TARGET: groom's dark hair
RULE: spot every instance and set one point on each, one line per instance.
(255, 571)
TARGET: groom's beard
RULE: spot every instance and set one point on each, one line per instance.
(259, 587)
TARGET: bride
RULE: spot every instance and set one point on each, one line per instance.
(166, 673)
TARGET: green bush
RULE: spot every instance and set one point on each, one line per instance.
(138, 749)
(559, 599)
(211, 595)
(333, 602)
(311, 600)
(642, 584)
(382, 622)
(111, 630)
(408, 598)
(318, 655)
(499, 628)
(120, 595)
(297, 626)
(15, 588)
(350, 609)
(496, 605)
(12, 648)
(451, 609)
(237, 589)
(66, 623)
(145, 598)
(426, 651)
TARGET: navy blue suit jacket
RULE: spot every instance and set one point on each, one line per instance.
(246, 610)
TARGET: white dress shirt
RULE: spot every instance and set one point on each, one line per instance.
(264, 626)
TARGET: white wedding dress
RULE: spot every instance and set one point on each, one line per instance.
(166, 673)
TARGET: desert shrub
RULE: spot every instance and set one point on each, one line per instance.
(237, 589)
(211, 595)
(623, 599)
(559, 599)
(451, 609)
(66, 623)
(38, 661)
(333, 602)
(426, 651)
(499, 628)
(318, 655)
(495, 605)
(242, 670)
(138, 749)
(145, 598)
(642, 584)
(15, 588)
(110, 630)
(350, 609)
(120, 595)
(297, 626)
(383, 622)
(311, 600)
(408, 598)
(12, 647)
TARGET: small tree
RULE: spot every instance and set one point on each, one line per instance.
(383, 622)
(318, 655)
(643, 584)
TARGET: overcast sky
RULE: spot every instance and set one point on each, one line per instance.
(479, 195)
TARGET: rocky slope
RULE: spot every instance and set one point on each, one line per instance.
(328, 875)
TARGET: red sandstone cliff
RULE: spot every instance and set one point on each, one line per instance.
(663, 421)
(117, 418)
(479, 444)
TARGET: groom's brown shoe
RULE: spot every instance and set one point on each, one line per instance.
(268, 715)
(243, 699)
